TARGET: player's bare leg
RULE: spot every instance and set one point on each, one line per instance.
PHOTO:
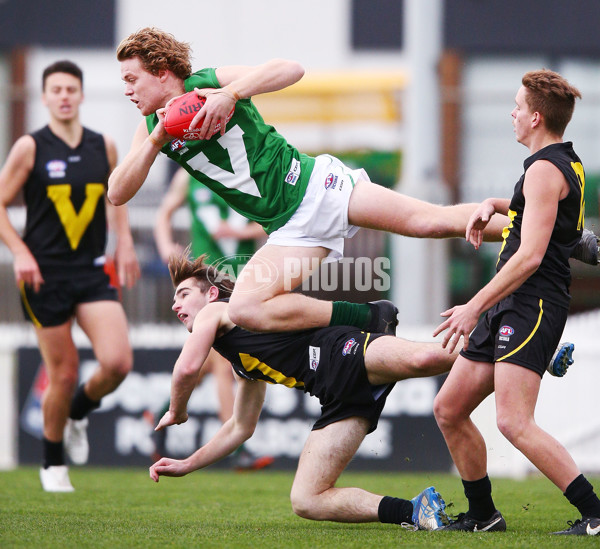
(261, 300)
(105, 324)
(61, 360)
(326, 454)
(517, 390)
(375, 207)
(467, 385)
(390, 359)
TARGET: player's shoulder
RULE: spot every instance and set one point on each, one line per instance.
(215, 312)
(23, 148)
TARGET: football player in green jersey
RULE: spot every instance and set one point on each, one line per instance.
(306, 205)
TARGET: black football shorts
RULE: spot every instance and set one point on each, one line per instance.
(522, 329)
(345, 390)
(62, 291)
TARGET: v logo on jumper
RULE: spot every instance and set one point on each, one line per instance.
(75, 223)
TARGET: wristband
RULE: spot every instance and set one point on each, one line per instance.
(233, 92)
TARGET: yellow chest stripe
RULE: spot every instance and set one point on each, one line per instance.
(250, 363)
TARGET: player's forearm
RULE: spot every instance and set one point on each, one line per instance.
(227, 439)
(501, 205)
(271, 76)
(182, 385)
(163, 235)
(118, 222)
(127, 178)
(511, 277)
(9, 235)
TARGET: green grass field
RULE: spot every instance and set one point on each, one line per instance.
(124, 508)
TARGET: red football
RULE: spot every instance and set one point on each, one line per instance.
(180, 113)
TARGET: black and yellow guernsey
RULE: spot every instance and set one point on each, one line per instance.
(64, 194)
(552, 279)
(324, 362)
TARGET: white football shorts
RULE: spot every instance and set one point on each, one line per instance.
(322, 217)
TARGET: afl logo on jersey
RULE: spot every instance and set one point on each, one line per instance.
(179, 146)
(56, 168)
(331, 181)
(349, 346)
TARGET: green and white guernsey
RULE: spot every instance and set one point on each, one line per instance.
(252, 167)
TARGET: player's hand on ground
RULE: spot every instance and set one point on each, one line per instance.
(478, 222)
(27, 270)
(167, 467)
(170, 418)
(459, 323)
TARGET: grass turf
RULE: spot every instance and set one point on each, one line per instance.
(124, 508)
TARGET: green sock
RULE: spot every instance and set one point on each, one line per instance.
(345, 313)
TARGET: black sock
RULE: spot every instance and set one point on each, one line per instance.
(479, 494)
(580, 493)
(345, 313)
(53, 453)
(82, 405)
(395, 510)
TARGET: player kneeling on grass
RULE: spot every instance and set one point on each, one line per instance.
(351, 372)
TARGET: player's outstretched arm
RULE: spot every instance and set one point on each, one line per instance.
(190, 362)
(249, 400)
(247, 81)
(127, 178)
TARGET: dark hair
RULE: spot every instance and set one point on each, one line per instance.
(181, 267)
(552, 96)
(157, 50)
(62, 66)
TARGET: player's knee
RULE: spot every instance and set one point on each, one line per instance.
(426, 362)
(63, 375)
(443, 413)
(302, 505)
(512, 430)
(118, 366)
(245, 314)
(65, 381)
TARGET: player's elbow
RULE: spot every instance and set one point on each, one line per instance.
(244, 431)
(296, 70)
(292, 70)
(114, 196)
(531, 262)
